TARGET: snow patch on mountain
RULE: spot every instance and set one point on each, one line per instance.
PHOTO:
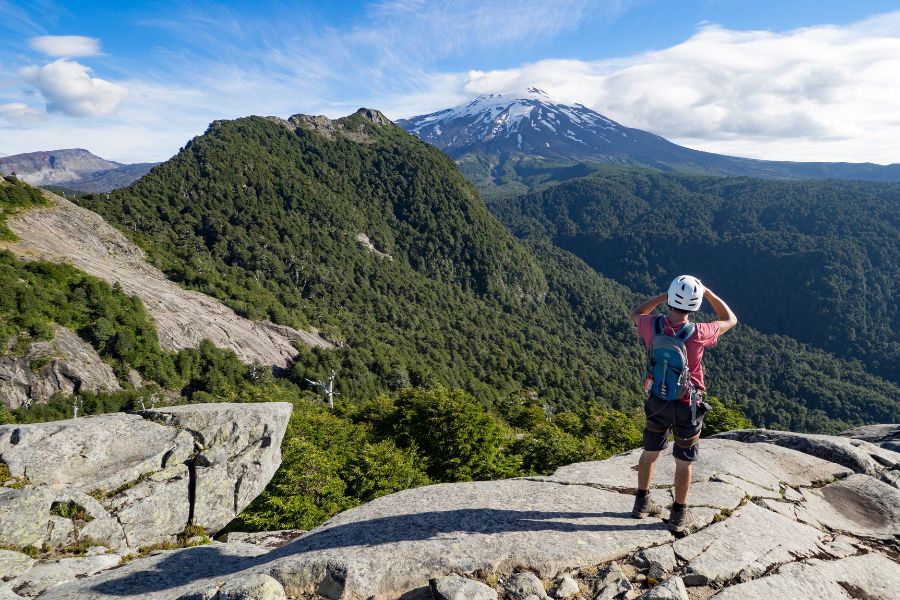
(528, 122)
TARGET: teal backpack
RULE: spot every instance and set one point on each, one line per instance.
(667, 375)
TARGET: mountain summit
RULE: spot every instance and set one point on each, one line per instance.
(531, 123)
(498, 138)
(74, 169)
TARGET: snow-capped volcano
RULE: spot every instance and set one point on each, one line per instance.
(495, 134)
(531, 123)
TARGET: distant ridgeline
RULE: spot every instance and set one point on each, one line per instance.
(266, 215)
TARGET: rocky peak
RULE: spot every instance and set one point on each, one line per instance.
(353, 127)
(530, 122)
(74, 168)
(376, 117)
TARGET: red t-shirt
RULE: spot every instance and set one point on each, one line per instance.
(706, 335)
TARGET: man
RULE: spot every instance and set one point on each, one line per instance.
(685, 295)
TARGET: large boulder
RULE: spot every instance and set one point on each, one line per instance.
(68, 365)
(99, 453)
(239, 451)
(137, 479)
(30, 516)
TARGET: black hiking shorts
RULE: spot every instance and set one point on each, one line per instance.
(664, 416)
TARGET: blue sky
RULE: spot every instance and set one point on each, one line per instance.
(797, 80)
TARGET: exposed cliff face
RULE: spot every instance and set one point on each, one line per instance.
(68, 364)
(771, 522)
(133, 480)
(66, 232)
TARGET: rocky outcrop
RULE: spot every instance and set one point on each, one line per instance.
(367, 243)
(856, 454)
(352, 127)
(69, 233)
(128, 480)
(48, 574)
(64, 364)
(763, 510)
(886, 436)
(238, 450)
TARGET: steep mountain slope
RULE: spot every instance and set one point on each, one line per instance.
(818, 261)
(63, 232)
(73, 169)
(502, 140)
(267, 214)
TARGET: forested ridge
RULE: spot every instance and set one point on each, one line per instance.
(818, 261)
(265, 218)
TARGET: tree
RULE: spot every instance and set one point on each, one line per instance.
(723, 417)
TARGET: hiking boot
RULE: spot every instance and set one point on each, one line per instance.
(644, 507)
(679, 520)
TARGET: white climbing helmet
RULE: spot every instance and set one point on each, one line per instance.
(686, 293)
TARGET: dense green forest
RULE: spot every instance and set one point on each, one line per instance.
(818, 261)
(264, 214)
(15, 196)
(265, 218)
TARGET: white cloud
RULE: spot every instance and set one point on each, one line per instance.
(818, 93)
(65, 45)
(19, 114)
(69, 89)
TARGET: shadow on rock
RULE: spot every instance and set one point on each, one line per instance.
(183, 567)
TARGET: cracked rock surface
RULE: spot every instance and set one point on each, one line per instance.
(786, 524)
(238, 452)
(867, 577)
(135, 479)
(856, 454)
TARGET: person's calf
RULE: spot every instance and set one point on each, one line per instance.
(645, 468)
(683, 473)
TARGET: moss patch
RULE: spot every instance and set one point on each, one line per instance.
(71, 510)
(7, 479)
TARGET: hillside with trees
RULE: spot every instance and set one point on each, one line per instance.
(816, 261)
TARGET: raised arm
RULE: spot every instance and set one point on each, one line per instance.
(647, 307)
(727, 319)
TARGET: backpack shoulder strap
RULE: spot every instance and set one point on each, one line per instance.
(687, 331)
(658, 325)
